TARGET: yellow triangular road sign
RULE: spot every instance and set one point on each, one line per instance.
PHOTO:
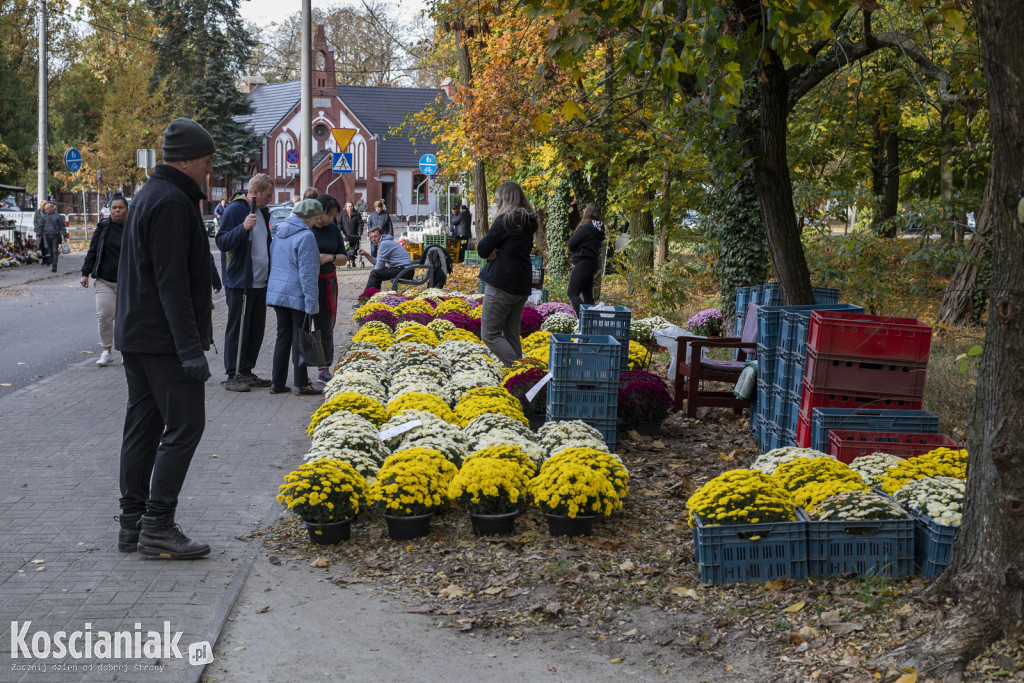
(343, 136)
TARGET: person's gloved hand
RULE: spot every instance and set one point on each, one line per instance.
(196, 368)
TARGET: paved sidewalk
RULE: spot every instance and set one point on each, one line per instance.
(59, 564)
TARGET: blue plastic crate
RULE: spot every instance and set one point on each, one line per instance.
(766, 434)
(614, 323)
(825, 295)
(581, 400)
(767, 360)
(591, 357)
(791, 375)
(933, 545)
(751, 552)
(788, 437)
(785, 409)
(769, 322)
(868, 548)
(743, 295)
(867, 420)
(537, 260)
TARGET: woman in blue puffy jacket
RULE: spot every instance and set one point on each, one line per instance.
(292, 291)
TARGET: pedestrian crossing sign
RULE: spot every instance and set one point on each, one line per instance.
(342, 162)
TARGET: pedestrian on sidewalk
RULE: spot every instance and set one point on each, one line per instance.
(163, 328)
(508, 272)
(292, 291)
(101, 263)
(331, 245)
(244, 242)
(54, 233)
(352, 228)
(380, 218)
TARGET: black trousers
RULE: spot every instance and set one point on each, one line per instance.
(289, 322)
(53, 243)
(581, 283)
(252, 335)
(379, 276)
(164, 422)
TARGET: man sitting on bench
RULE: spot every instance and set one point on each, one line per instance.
(391, 259)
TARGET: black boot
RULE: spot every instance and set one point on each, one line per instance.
(161, 537)
(128, 536)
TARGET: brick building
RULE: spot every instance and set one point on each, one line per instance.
(384, 165)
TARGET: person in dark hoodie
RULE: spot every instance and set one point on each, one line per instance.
(508, 272)
(244, 243)
(585, 248)
(162, 329)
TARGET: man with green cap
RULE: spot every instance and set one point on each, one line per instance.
(163, 330)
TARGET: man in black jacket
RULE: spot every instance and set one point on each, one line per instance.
(163, 329)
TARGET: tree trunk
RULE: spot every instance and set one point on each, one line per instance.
(661, 251)
(641, 233)
(945, 154)
(481, 222)
(986, 576)
(878, 171)
(966, 293)
(775, 188)
(892, 177)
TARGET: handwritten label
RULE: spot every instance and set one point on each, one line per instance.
(400, 429)
(535, 389)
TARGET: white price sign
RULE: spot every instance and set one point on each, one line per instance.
(535, 389)
(400, 429)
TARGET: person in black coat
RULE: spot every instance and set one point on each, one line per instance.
(351, 223)
(508, 272)
(101, 263)
(585, 248)
(163, 329)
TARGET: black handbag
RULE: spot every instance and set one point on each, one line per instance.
(310, 345)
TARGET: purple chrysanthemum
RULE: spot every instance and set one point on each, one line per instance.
(530, 322)
(416, 316)
(386, 317)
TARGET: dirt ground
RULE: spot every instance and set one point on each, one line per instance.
(625, 603)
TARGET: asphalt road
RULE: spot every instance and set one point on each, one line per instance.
(46, 325)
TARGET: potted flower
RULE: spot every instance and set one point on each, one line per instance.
(411, 486)
(707, 323)
(326, 495)
(490, 489)
(572, 494)
(644, 401)
(519, 384)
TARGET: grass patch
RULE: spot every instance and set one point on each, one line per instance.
(948, 391)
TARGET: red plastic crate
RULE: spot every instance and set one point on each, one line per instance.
(833, 372)
(812, 398)
(849, 445)
(869, 336)
(803, 431)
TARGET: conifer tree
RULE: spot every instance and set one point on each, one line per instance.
(204, 45)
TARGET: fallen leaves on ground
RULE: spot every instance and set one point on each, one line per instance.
(633, 588)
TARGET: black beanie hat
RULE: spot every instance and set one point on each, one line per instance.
(185, 139)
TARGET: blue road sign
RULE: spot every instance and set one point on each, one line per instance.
(292, 156)
(428, 164)
(341, 162)
(73, 160)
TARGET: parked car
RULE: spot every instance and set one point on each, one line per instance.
(278, 213)
(211, 227)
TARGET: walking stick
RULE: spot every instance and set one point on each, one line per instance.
(245, 290)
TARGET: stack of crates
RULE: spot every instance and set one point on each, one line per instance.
(440, 240)
(471, 258)
(585, 381)
(613, 321)
(770, 294)
(777, 405)
(862, 361)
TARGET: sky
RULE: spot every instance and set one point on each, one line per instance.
(264, 12)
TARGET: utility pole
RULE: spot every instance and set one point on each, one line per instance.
(42, 179)
(306, 100)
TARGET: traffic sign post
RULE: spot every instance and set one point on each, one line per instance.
(341, 162)
(291, 158)
(73, 160)
(428, 164)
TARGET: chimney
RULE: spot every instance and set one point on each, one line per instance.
(249, 83)
(448, 85)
